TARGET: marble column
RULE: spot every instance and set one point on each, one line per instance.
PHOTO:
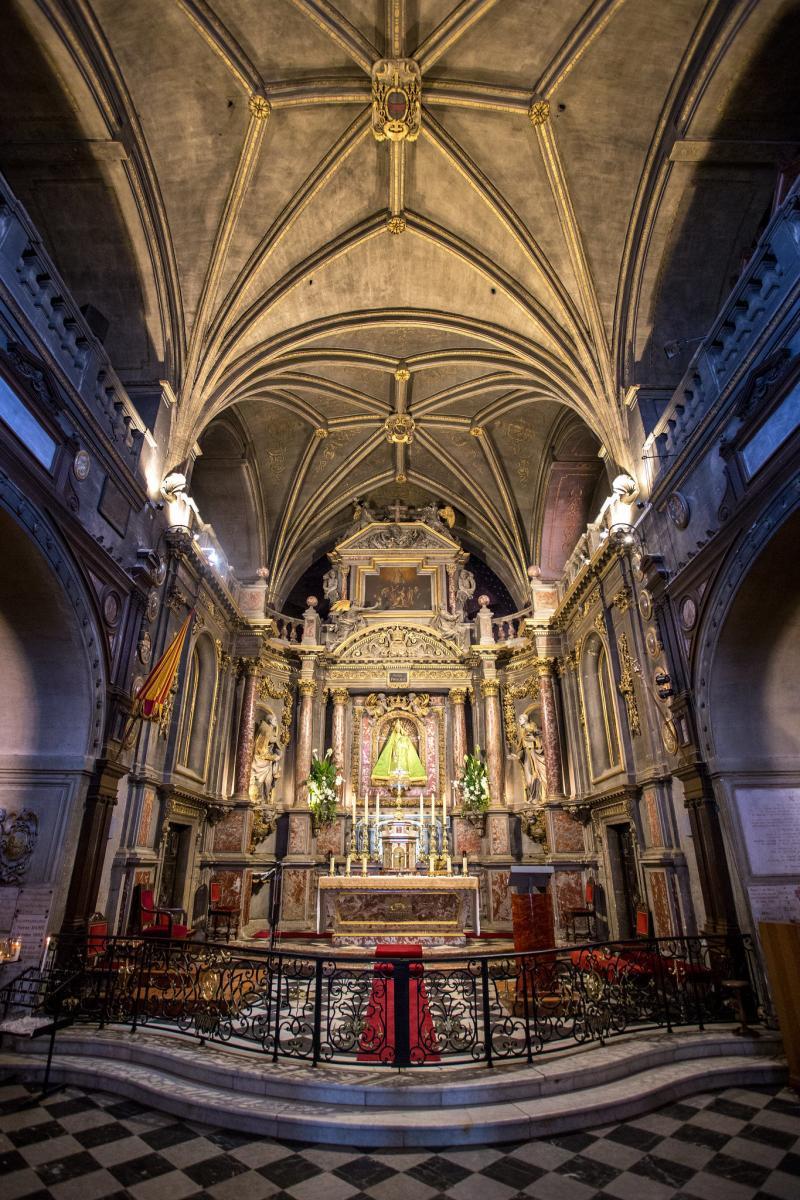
(551, 742)
(458, 716)
(343, 577)
(247, 725)
(340, 697)
(495, 756)
(305, 720)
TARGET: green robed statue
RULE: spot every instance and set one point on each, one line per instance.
(398, 754)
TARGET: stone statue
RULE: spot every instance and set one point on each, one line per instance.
(346, 618)
(330, 585)
(446, 623)
(429, 515)
(531, 757)
(266, 766)
(362, 514)
(465, 590)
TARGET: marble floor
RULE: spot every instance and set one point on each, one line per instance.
(735, 1144)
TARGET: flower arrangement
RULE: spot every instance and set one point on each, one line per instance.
(323, 783)
(474, 787)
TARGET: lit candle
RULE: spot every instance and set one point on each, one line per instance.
(433, 811)
(444, 808)
(377, 810)
(353, 805)
(366, 812)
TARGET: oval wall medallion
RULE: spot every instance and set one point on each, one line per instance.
(81, 465)
(645, 605)
(678, 510)
(652, 642)
(687, 612)
(669, 737)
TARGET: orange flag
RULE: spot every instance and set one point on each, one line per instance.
(150, 699)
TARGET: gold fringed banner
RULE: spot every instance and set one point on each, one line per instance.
(152, 695)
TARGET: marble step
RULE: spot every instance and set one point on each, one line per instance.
(335, 1122)
(419, 1087)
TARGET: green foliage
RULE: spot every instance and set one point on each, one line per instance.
(474, 785)
(322, 789)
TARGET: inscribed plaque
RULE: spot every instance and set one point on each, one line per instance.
(770, 820)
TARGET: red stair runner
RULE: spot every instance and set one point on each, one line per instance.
(377, 1042)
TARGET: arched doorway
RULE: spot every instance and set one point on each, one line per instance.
(754, 728)
(49, 721)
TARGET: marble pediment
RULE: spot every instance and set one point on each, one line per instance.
(397, 644)
(391, 535)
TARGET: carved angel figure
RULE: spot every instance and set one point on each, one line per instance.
(266, 766)
(446, 623)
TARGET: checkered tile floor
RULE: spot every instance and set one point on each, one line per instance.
(735, 1144)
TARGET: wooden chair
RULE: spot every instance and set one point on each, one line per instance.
(221, 914)
(585, 913)
(160, 922)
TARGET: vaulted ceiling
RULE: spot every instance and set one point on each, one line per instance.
(586, 180)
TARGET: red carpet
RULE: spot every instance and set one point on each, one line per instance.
(377, 1042)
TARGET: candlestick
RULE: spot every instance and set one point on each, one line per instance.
(430, 865)
(449, 864)
(363, 864)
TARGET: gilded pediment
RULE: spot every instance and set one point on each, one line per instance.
(397, 644)
(390, 535)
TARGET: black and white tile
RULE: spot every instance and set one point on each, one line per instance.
(737, 1144)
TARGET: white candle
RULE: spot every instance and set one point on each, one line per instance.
(421, 811)
(433, 811)
(464, 865)
(347, 866)
(377, 811)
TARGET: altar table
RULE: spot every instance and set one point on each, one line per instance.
(367, 909)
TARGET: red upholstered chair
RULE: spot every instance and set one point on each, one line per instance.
(585, 913)
(221, 914)
(642, 923)
(160, 922)
(96, 937)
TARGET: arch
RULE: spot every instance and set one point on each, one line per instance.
(602, 737)
(199, 697)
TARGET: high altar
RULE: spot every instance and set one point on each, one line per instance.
(397, 670)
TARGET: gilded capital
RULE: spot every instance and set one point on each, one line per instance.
(545, 667)
(490, 687)
(458, 695)
(340, 695)
(306, 687)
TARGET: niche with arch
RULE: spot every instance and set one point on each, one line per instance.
(197, 723)
(598, 703)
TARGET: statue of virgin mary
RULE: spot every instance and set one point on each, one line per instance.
(399, 754)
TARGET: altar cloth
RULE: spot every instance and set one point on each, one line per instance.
(364, 910)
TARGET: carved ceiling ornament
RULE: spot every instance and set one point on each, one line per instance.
(396, 107)
(400, 429)
(399, 642)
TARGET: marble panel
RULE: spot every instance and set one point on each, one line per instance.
(330, 839)
(655, 833)
(499, 842)
(146, 817)
(662, 917)
(230, 831)
(299, 833)
(295, 884)
(568, 888)
(231, 887)
(467, 838)
(567, 833)
(500, 897)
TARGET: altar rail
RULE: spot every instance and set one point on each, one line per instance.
(402, 1012)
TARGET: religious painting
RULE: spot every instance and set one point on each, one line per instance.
(398, 758)
(396, 588)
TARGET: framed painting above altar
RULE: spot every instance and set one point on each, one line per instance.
(396, 589)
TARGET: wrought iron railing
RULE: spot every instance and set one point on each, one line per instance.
(464, 1008)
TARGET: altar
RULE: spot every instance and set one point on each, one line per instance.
(429, 909)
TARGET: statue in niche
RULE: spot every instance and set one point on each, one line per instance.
(266, 766)
(531, 757)
(465, 590)
(399, 754)
(330, 585)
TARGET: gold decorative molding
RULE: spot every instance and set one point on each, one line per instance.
(458, 695)
(280, 692)
(412, 643)
(490, 687)
(400, 429)
(623, 599)
(402, 374)
(306, 687)
(396, 224)
(339, 696)
(626, 686)
(529, 689)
